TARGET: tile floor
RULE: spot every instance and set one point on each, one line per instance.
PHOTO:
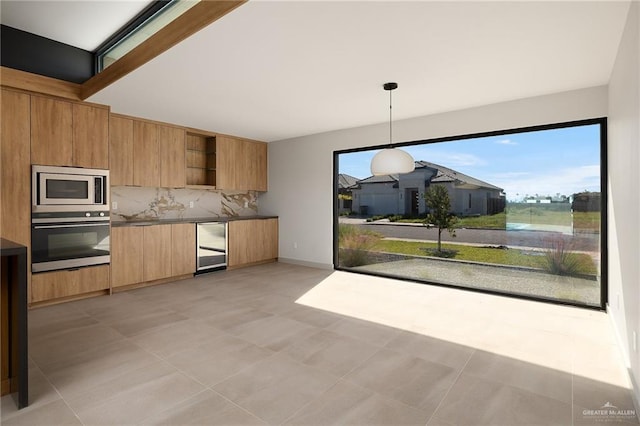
(285, 344)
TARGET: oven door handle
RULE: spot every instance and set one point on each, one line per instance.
(69, 226)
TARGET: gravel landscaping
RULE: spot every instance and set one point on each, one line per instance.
(497, 278)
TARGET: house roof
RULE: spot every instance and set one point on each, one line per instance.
(380, 179)
(444, 174)
(346, 181)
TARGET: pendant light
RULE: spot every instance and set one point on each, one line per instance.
(391, 161)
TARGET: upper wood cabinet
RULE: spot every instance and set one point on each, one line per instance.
(146, 154)
(172, 157)
(90, 136)
(69, 134)
(121, 150)
(241, 164)
(51, 132)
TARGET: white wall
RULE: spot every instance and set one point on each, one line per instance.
(624, 191)
(301, 169)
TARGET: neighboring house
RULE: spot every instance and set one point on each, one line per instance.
(586, 202)
(404, 194)
(345, 197)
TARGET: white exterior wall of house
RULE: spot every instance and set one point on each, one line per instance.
(379, 199)
(623, 197)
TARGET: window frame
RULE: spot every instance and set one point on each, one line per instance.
(604, 258)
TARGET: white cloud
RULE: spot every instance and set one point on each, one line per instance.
(444, 158)
(550, 182)
(506, 142)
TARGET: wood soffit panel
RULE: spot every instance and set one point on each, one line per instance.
(193, 20)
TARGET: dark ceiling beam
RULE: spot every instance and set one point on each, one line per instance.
(193, 20)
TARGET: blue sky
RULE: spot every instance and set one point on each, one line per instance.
(544, 162)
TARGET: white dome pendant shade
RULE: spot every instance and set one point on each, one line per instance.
(391, 161)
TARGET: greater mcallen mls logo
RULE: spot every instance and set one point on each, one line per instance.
(609, 413)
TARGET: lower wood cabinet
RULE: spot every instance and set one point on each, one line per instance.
(142, 254)
(252, 241)
(126, 255)
(54, 285)
(183, 249)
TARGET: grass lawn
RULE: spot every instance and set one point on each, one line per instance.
(535, 215)
(512, 257)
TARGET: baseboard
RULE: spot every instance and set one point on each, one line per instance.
(625, 357)
(316, 265)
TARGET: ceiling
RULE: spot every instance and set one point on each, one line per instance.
(272, 70)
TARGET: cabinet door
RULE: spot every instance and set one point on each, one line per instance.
(156, 252)
(121, 151)
(172, 157)
(90, 137)
(241, 164)
(228, 155)
(15, 173)
(126, 255)
(268, 243)
(51, 132)
(146, 161)
(183, 242)
(252, 241)
(257, 166)
(53, 285)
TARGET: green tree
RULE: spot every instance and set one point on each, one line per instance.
(437, 198)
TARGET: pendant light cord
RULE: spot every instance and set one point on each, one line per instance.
(390, 122)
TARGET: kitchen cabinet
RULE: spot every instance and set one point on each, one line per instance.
(156, 252)
(172, 157)
(15, 173)
(90, 136)
(126, 255)
(201, 160)
(69, 134)
(252, 241)
(51, 132)
(146, 154)
(183, 243)
(120, 151)
(141, 254)
(47, 286)
(241, 164)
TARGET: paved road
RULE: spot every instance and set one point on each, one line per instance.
(585, 242)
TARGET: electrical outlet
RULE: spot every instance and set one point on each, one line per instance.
(114, 205)
(190, 204)
(295, 245)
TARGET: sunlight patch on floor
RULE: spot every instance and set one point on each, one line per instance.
(564, 338)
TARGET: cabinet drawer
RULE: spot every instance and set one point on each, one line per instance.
(53, 285)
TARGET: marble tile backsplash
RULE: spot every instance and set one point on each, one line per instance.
(144, 203)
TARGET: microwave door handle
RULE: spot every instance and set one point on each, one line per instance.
(68, 226)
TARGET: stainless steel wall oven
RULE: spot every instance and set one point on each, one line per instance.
(69, 218)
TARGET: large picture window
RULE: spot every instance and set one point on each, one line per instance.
(518, 212)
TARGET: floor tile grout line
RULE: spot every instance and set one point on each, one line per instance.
(340, 379)
(66, 403)
(453, 383)
(238, 405)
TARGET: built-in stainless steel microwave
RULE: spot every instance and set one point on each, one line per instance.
(64, 189)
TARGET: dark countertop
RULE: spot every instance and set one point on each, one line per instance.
(10, 248)
(121, 223)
